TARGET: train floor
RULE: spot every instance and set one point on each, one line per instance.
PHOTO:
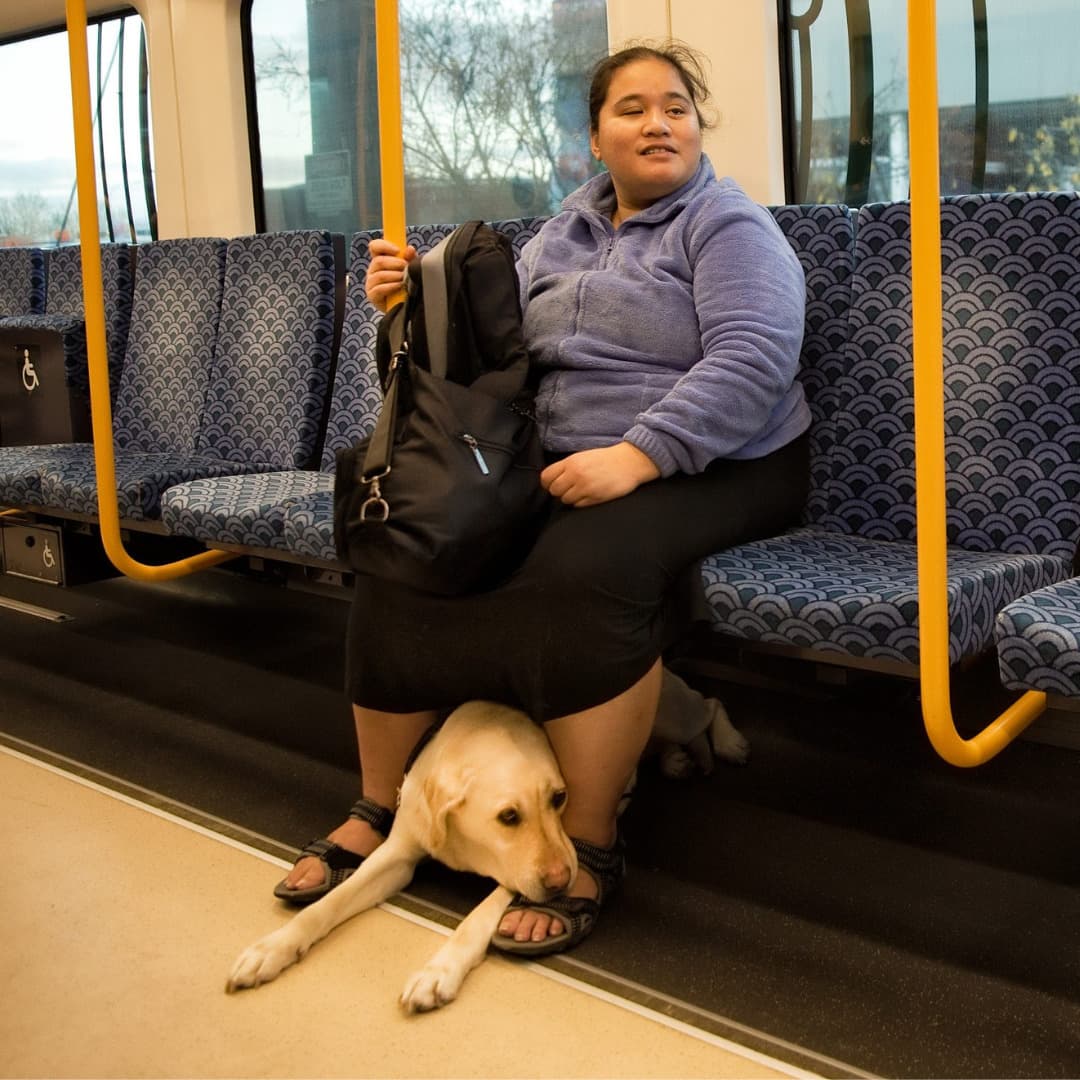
(844, 905)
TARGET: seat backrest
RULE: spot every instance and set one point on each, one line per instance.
(823, 237)
(357, 396)
(22, 281)
(271, 370)
(1011, 311)
(174, 325)
(64, 296)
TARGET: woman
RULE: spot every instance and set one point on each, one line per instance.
(665, 312)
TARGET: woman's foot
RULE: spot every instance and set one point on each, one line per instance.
(355, 836)
(536, 929)
(533, 924)
(324, 864)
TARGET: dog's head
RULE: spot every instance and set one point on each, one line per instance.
(493, 801)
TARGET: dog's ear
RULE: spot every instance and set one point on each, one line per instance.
(441, 795)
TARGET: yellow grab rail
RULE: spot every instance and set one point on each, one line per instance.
(94, 304)
(930, 418)
(391, 148)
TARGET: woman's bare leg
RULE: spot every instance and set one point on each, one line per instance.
(385, 741)
(597, 750)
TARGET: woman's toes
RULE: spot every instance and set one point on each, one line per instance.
(306, 874)
(529, 925)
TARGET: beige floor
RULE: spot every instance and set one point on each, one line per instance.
(119, 924)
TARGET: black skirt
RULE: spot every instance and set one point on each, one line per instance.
(603, 592)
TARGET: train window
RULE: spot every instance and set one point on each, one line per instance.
(493, 109)
(38, 203)
(1008, 86)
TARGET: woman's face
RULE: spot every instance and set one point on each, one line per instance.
(647, 134)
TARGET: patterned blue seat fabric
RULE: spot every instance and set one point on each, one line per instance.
(64, 311)
(163, 384)
(293, 511)
(249, 511)
(1038, 640)
(22, 281)
(257, 405)
(1011, 288)
(823, 237)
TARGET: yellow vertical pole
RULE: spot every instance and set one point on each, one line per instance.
(930, 417)
(94, 316)
(391, 148)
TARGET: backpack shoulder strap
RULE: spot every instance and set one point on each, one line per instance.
(435, 274)
(436, 306)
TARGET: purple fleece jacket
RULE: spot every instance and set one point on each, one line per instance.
(678, 332)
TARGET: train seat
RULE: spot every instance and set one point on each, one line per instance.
(174, 324)
(257, 399)
(63, 315)
(1038, 640)
(22, 281)
(847, 584)
(249, 511)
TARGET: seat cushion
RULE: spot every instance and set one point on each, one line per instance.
(309, 526)
(1038, 640)
(69, 482)
(245, 510)
(21, 469)
(859, 597)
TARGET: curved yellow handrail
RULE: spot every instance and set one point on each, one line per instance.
(930, 418)
(391, 148)
(94, 304)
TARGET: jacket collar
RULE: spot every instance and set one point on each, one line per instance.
(596, 197)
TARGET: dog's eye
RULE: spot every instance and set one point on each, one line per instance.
(510, 817)
(558, 799)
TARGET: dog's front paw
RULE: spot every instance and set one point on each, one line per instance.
(265, 960)
(727, 742)
(676, 763)
(431, 988)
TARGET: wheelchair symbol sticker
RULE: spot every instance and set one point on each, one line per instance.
(47, 558)
(29, 373)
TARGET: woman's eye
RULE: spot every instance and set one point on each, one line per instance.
(510, 817)
(558, 800)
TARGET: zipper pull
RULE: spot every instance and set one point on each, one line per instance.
(474, 446)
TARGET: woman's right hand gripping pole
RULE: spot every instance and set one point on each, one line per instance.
(386, 271)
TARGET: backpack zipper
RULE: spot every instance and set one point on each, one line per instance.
(474, 446)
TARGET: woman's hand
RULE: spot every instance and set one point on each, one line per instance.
(386, 271)
(590, 477)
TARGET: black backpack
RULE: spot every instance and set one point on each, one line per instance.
(445, 495)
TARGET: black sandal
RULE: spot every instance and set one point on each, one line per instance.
(338, 861)
(578, 914)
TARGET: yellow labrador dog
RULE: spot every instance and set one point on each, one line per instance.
(484, 795)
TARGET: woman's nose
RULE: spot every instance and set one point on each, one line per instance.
(656, 122)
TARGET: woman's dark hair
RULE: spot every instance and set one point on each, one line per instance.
(688, 65)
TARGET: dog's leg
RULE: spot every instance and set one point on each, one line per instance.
(386, 871)
(693, 728)
(438, 982)
(727, 741)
